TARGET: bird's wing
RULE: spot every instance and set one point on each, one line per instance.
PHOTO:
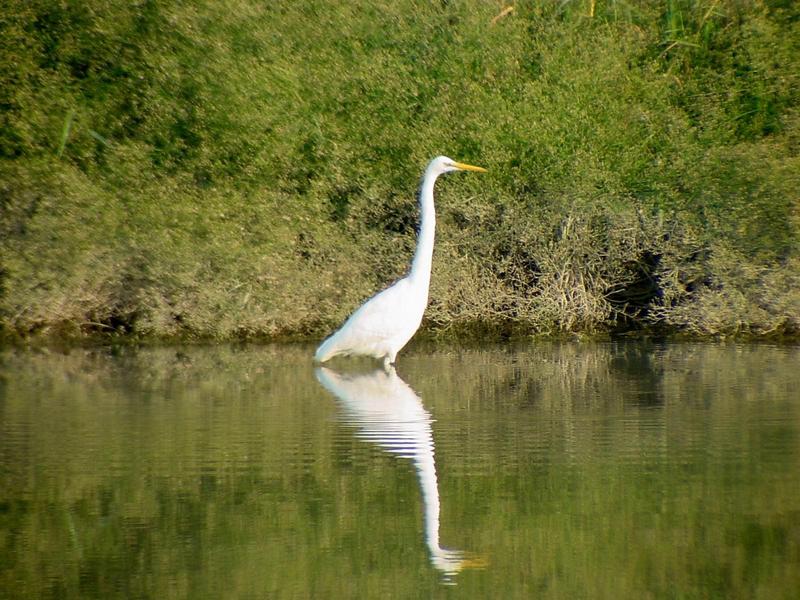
(381, 325)
(385, 314)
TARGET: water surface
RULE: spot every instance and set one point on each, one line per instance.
(543, 470)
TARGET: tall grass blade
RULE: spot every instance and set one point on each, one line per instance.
(65, 132)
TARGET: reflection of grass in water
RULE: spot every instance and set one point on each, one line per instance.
(243, 170)
(684, 502)
(551, 464)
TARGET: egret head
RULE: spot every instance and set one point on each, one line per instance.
(443, 164)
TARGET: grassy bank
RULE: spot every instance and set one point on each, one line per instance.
(246, 169)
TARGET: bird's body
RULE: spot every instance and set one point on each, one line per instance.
(385, 323)
(381, 327)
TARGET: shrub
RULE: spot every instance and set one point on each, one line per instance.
(240, 168)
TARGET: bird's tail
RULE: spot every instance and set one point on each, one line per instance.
(326, 350)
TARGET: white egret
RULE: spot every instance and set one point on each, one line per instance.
(384, 323)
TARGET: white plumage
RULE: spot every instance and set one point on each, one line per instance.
(387, 321)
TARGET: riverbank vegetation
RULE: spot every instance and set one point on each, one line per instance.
(242, 169)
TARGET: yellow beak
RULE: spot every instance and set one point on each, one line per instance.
(466, 167)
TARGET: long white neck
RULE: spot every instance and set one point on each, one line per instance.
(423, 257)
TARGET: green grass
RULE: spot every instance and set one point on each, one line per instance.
(240, 169)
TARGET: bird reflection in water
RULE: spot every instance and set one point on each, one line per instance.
(388, 413)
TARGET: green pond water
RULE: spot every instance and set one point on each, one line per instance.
(572, 470)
